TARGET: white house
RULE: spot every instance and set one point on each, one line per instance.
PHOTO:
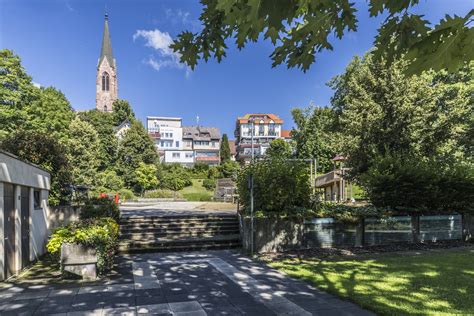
(167, 132)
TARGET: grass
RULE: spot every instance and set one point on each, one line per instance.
(427, 284)
(196, 192)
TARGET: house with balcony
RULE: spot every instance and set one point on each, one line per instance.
(263, 128)
(204, 142)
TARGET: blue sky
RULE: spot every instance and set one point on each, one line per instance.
(59, 43)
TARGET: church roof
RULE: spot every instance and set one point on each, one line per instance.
(106, 51)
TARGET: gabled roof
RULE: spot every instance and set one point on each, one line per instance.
(122, 125)
(106, 50)
(201, 132)
(266, 117)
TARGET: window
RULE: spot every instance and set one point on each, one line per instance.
(271, 129)
(177, 143)
(105, 81)
(189, 155)
(105, 108)
(213, 144)
(261, 129)
(37, 199)
(176, 155)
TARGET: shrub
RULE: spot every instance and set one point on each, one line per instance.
(175, 177)
(280, 186)
(162, 194)
(409, 185)
(209, 184)
(229, 169)
(126, 194)
(100, 234)
(100, 207)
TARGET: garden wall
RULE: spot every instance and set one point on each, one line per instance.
(63, 215)
(272, 235)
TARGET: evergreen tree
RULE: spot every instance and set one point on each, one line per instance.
(136, 147)
(225, 149)
(103, 123)
(83, 153)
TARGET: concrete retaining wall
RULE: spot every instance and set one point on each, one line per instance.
(273, 235)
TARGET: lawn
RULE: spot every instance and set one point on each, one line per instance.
(423, 284)
(196, 192)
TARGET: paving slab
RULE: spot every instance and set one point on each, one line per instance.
(189, 283)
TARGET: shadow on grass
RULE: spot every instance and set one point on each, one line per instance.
(431, 283)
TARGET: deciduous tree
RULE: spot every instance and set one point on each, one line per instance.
(301, 28)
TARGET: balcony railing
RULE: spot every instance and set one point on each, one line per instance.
(330, 177)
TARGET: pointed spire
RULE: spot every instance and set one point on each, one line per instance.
(106, 51)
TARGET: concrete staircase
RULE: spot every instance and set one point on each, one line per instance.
(178, 233)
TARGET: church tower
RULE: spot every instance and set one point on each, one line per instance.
(106, 85)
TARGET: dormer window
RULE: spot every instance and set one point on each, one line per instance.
(105, 81)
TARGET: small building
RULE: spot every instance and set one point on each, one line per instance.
(334, 186)
(24, 223)
(122, 129)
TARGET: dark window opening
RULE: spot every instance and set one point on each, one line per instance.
(37, 199)
(105, 81)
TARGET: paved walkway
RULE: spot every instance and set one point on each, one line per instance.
(199, 283)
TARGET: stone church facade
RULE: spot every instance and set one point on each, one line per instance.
(106, 83)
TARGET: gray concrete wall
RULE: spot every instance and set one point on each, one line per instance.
(13, 170)
(275, 235)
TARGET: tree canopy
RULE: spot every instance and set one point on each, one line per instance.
(299, 29)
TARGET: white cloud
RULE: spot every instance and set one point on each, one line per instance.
(37, 85)
(160, 42)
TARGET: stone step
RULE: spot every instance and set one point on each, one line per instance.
(126, 220)
(177, 248)
(177, 226)
(178, 230)
(175, 235)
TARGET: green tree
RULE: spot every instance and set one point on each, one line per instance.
(383, 112)
(16, 91)
(225, 149)
(83, 153)
(228, 169)
(301, 28)
(122, 111)
(46, 152)
(279, 149)
(103, 123)
(146, 177)
(316, 135)
(137, 146)
(50, 113)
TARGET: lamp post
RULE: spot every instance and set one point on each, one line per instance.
(251, 187)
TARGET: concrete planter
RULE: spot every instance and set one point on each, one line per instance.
(79, 260)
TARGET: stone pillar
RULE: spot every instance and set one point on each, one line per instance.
(360, 233)
(467, 221)
(415, 228)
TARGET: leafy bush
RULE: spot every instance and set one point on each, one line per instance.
(162, 194)
(199, 170)
(280, 186)
(175, 177)
(100, 207)
(100, 234)
(347, 212)
(126, 194)
(209, 184)
(229, 169)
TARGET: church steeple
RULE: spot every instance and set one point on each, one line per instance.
(106, 51)
(106, 84)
